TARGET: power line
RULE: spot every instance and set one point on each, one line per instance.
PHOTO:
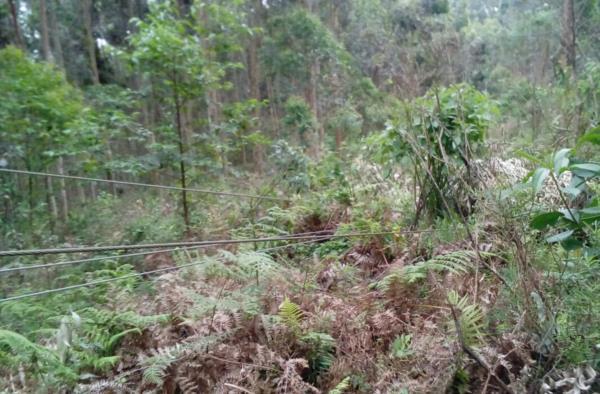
(182, 244)
(118, 256)
(81, 178)
(102, 281)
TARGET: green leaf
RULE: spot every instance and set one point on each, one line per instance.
(591, 214)
(571, 215)
(561, 160)
(560, 237)
(585, 170)
(573, 192)
(592, 136)
(538, 178)
(545, 219)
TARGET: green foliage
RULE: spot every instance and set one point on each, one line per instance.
(299, 120)
(470, 319)
(239, 129)
(440, 132)
(342, 386)
(571, 224)
(112, 116)
(156, 364)
(292, 164)
(458, 262)
(296, 39)
(290, 314)
(400, 347)
(85, 342)
(460, 382)
(36, 111)
(321, 350)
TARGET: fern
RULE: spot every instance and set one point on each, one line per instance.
(457, 262)
(341, 386)
(400, 348)
(290, 313)
(156, 365)
(24, 349)
(470, 320)
(321, 348)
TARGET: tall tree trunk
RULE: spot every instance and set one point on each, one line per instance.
(57, 50)
(273, 107)
(81, 192)
(568, 34)
(15, 22)
(211, 96)
(254, 80)
(90, 43)
(46, 52)
(311, 95)
(51, 202)
(93, 190)
(109, 173)
(182, 150)
(64, 197)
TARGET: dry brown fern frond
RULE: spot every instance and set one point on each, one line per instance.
(187, 385)
(385, 324)
(104, 386)
(291, 382)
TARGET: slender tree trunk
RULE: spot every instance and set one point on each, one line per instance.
(182, 169)
(109, 173)
(81, 192)
(51, 202)
(254, 82)
(64, 198)
(30, 192)
(90, 43)
(15, 22)
(273, 107)
(312, 99)
(55, 35)
(46, 52)
(211, 96)
(93, 190)
(568, 34)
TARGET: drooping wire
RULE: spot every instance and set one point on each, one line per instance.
(118, 256)
(137, 274)
(84, 249)
(140, 184)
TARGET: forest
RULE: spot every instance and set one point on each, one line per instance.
(300, 196)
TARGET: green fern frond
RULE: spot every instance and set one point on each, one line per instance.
(290, 313)
(470, 319)
(320, 354)
(156, 365)
(341, 386)
(400, 348)
(458, 262)
(105, 363)
(114, 340)
(24, 349)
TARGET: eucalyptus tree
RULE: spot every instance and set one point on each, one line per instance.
(180, 57)
(297, 51)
